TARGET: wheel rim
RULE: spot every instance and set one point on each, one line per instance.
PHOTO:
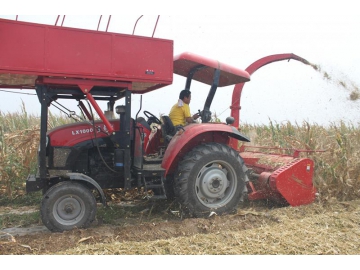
(216, 184)
(69, 210)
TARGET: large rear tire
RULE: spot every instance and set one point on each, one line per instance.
(211, 177)
(68, 205)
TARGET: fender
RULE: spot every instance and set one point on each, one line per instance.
(85, 178)
(194, 135)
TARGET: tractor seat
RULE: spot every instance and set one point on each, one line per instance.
(167, 128)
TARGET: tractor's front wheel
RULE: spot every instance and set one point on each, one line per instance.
(211, 177)
(67, 205)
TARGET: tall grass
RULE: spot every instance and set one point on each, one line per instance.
(337, 169)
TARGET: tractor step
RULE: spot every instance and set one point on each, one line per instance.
(157, 197)
(151, 176)
(157, 187)
(152, 159)
(154, 186)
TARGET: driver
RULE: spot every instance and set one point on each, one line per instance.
(180, 112)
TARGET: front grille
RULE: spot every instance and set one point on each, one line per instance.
(60, 156)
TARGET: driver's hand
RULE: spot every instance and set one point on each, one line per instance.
(196, 116)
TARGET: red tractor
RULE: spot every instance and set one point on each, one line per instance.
(202, 165)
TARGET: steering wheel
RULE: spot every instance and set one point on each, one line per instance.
(152, 117)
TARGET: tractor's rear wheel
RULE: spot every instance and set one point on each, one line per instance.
(210, 178)
(68, 205)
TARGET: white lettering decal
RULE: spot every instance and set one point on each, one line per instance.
(88, 130)
(82, 131)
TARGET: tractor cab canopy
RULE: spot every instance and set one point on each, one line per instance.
(210, 72)
(203, 69)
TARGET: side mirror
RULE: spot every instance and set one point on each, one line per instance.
(120, 109)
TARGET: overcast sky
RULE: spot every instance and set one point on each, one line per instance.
(325, 33)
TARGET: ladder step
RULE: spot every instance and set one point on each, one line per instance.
(157, 197)
(154, 186)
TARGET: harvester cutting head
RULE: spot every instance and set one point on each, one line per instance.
(282, 178)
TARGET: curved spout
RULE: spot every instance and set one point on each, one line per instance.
(236, 96)
(274, 58)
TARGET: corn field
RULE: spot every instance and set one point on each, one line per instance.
(19, 144)
(337, 167)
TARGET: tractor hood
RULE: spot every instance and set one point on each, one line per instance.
(186, 62)
(71, 134)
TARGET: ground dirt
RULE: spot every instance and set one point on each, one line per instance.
(256, 228)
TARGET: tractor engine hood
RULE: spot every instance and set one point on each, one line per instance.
(72, 134)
